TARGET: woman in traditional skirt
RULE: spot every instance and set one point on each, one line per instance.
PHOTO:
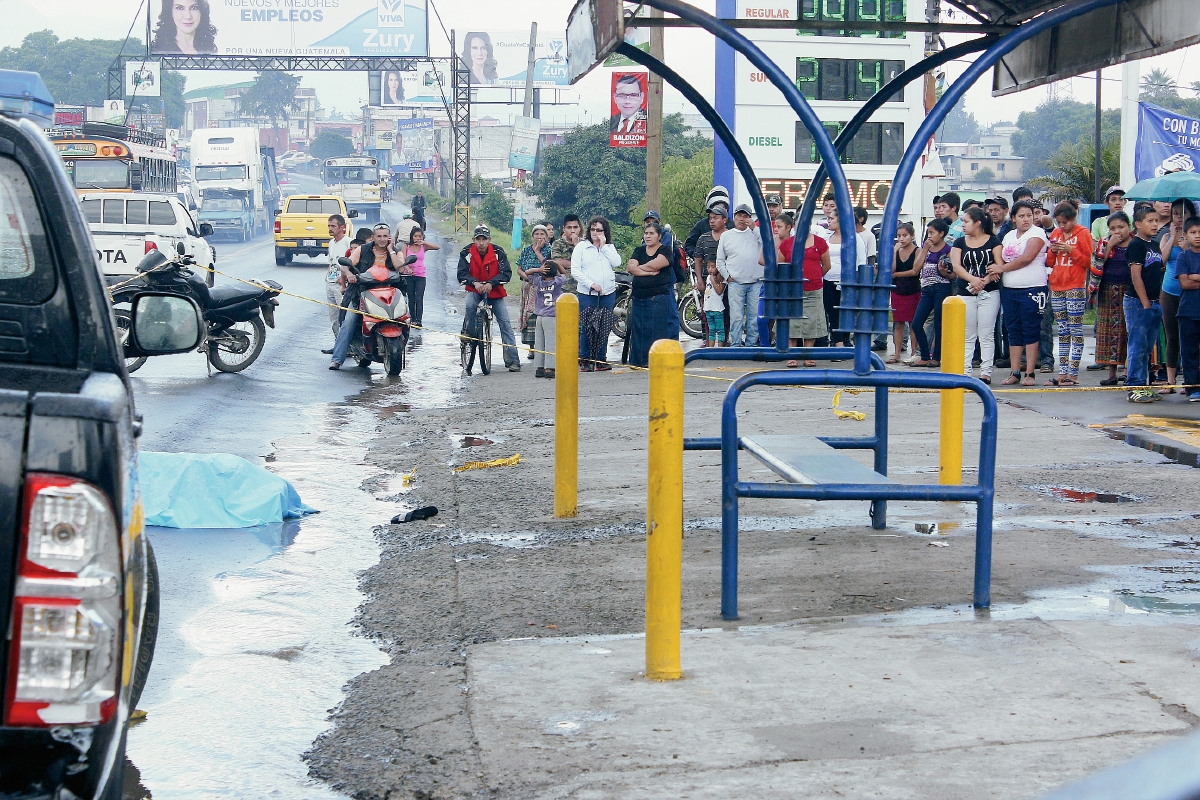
(531, 257)
(653, 314)
(1110, 276)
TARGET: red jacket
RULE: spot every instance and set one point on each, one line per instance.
(492, 268)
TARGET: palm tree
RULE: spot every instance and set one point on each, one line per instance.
(1073, 171)
(1159, 87)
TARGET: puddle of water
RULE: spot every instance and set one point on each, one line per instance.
(1071, 495)
(254, 654)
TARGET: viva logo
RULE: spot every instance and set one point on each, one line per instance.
(391, 13)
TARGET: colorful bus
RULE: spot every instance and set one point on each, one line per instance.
(355, 179)
(112, 158)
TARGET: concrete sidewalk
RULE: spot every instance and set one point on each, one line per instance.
(965, 709)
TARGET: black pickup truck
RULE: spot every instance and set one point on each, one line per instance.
(78, 583)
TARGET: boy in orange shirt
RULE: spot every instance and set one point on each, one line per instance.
(1069, 260)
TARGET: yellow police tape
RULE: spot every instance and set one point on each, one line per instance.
(840, 413)
(511, 461)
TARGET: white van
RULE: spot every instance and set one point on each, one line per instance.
(127, 226)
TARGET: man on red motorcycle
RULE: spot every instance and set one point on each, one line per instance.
(483, 269)
(379, 254)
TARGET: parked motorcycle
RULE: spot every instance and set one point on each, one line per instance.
(624, 304)
(234, 314)
(384, 308)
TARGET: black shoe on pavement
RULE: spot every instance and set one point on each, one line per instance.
(335, 365)
(328, 352)
(539, 373)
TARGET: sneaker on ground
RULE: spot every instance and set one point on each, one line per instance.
(1194, 397)
(514, 367)
(1141, 396)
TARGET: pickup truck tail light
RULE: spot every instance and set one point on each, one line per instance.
(151, 246)
(64, 658)
(278, 227)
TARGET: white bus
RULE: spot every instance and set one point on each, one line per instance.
(356, 180)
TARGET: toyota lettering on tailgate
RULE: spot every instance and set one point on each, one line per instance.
(111, 257)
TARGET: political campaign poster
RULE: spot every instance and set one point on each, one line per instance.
(424, 87)
(636, 36)
(142, 79)
(522, 153)
(627, 125)
(413, 149)
(1166, 142)
(501, 58)
(290, 27)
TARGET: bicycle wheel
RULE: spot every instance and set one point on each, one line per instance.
(485, 342)
(690, 316)
(467, 352)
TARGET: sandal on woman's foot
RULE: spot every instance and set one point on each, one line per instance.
(810, 363)
(1012, 380)
(1051, 382)
(986, 379)
(1029, 380)
(892, 360)
(1067, 380)
(792, 364)
(1167, 390)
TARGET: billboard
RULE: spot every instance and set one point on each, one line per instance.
(627, 125)
(1166, 142)
(594, 29)
(522, 153)
(394, 28)
(424, 87)
(413, 150)
(501, 58)
(142, 79)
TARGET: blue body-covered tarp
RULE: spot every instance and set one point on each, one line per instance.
(213, 490)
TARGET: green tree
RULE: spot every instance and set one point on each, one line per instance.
(1055, 123)
(497, 210)
(583, 175)
(273, 97)
(328, 144)
(1072, 170)
(76, 71)
(985, 175)
(1160, 89)
(959, 126)
(685, 182)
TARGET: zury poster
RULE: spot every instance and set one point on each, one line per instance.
(627, 125)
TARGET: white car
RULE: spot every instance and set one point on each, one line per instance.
(126, 226)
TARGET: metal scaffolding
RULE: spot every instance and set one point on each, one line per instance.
(460, 132)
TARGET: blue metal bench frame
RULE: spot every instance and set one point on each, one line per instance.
(865, 296)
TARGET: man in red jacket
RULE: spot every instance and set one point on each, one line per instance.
(483, 270)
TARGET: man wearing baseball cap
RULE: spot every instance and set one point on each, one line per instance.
(1114, 198)
(483, 270)
(739, 260)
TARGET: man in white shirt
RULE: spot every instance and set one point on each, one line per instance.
(739, 260)
(339, 247)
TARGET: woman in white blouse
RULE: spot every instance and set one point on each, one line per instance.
(592, 264)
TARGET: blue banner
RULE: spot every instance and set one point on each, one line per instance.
(1166, 142)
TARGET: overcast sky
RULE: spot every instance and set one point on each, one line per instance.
(690, 52)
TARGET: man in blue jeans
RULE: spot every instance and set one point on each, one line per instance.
(483, 270)
(739, 260)
(364, 258)
(1143, 314)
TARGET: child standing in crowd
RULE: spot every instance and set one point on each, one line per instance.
(1071, 251)
(906, 277)
(935, 288)
(1110, 295)
(547, 285)
(1143, 314)
(1023, 291)
(1187, 270)
(975, 251)
(714, 307)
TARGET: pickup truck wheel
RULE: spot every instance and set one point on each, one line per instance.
(282, 257)
(145, 652)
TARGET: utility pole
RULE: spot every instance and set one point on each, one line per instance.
(1096, 198)
(527, 111)
(654, 114)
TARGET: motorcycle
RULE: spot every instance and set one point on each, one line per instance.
(235, 315)
(384, 308)
(624, 304)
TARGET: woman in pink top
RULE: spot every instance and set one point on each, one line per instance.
(415, 283)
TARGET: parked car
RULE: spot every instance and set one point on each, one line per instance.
(78, 583)
(126, 226)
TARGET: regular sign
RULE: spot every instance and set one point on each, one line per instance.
(413, 149)
(627, 123)
(522, 154)
(501, 58)
(394, 28)
(142, 79)
(1166, 142)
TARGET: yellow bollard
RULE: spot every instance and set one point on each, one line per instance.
(953, 335)
(664, 513)
(566, 405)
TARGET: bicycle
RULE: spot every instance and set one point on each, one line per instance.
(478, 341)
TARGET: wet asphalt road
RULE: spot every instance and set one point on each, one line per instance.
(255, 641)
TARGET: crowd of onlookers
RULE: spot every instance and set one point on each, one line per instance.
(1027, 275)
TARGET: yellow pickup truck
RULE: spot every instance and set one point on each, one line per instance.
(302, 225)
